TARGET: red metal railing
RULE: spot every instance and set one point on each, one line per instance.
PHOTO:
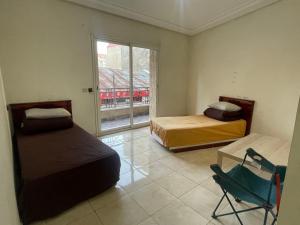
(117, 97)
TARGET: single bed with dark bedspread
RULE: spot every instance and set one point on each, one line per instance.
(61, 168)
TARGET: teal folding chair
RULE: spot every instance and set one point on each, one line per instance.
(245, 185)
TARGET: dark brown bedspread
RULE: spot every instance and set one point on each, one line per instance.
(61, 168)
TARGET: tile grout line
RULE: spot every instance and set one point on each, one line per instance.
(95, 211)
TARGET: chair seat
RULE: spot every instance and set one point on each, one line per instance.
(253, 183)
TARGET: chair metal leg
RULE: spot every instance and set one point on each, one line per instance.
(266, 217)
(274, 216)
(218, 205)
(235, 213)
(239, 211)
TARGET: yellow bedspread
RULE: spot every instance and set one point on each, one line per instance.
(195, 130)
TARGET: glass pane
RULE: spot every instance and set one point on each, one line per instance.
(114, 81)
(141, 84)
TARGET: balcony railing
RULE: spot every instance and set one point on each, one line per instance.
(120, 97)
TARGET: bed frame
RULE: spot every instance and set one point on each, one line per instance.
(247, 107)
(18, 110)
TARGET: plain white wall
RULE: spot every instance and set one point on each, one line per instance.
(289, 212)
(8, 207)
(256, 56)
(45, 51)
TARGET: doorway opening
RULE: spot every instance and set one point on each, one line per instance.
(126, 77)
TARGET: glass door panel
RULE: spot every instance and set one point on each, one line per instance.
(114, 85)
(141, 84)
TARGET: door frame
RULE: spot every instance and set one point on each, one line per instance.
(94, 40)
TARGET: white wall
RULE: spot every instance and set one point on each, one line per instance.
(45, 52)
(256, 56)
(289, 213)
(8, 208)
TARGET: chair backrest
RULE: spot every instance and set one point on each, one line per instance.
(266, 164)
(259, 159)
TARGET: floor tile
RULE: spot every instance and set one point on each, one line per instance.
(202, 162)
(149, 221)
(176, 184)
(176, 213)
(144, 158)
(90, 219)
(212, 186)
(173, 162)
(209, 155)
(133, 180)
(152, 198)
(145, 142)
(123, 212)
(141, 132)
(72, 214)
(159, 150)
(191, 155)
(203, 201)
(155, 170)
(115, 139)
(106, 198)
(125, 167)
(128, 150)
(196, 173)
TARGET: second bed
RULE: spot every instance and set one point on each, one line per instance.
(186, 132)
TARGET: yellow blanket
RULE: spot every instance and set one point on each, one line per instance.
(195, 130)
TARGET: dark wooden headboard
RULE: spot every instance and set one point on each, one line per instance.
(247, 106)
(18, 110)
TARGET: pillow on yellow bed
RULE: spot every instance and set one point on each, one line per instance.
(225, 106)
(223, 115)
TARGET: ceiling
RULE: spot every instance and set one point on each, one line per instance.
(185, 16)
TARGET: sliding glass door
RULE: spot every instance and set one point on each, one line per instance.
(125, 77)
(141, 84)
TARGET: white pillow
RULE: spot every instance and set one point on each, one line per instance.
(225, 106)
(37, 113)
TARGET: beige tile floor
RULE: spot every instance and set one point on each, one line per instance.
(156, 187)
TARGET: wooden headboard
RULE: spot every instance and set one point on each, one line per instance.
(18, 110)
(247, 106)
